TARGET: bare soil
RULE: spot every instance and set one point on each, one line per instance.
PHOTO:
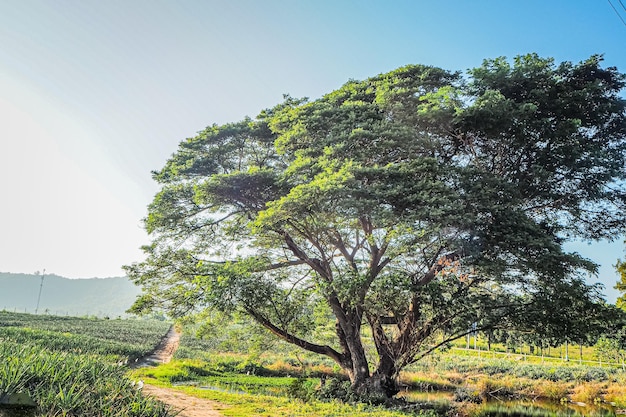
(188, 405)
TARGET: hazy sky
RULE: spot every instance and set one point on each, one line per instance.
(96, 94)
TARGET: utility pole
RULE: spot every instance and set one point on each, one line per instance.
(40, 288)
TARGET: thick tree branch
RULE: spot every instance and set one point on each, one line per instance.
(280, 265)
(290, 338)
(315, 264)
(338, 242)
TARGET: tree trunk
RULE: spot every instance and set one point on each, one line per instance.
(581, 353)
(381, 384)
(378, 386)
(360, 370)
(348, 330)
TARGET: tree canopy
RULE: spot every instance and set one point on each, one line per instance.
(406, 208)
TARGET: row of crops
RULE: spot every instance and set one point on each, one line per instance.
(76, 366)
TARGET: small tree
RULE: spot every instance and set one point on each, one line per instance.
(609, 350)
(621, 284)
(414, 203)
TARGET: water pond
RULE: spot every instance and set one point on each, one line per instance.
(521, 408)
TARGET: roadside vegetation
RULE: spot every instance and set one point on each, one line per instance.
(76, 366)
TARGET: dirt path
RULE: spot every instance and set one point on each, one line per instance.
(190, 406)
(162, 353)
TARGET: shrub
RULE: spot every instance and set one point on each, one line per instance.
(336, 389)
(550, 390)
(587, 393)
(302, 389)
(617, 395)
(489, 388)
(467, 394)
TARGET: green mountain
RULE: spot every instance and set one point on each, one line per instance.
(62, 296)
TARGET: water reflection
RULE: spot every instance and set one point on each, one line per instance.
(542, 410)
(519, 408)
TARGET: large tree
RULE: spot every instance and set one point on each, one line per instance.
(411, 208)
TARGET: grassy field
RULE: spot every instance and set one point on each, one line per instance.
(246, 395)
(206, 369)
(75, 366)
(252, 382)
(575, 353)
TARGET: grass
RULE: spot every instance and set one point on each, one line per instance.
(247, 395)
(616, 394)
(452, 364)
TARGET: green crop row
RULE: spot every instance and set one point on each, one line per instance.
(143, 333)
(74, 366)
(76, 343)
(69, 384)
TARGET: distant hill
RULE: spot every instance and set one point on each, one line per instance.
(62, 296)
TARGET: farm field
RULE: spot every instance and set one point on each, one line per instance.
(76, 366)
(267, 380)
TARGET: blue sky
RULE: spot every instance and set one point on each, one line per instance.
(96, 94)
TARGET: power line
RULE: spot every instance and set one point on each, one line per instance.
(40, 288)
(616, 12)
(623, 7)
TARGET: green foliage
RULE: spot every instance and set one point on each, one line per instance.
(414, 202)
(237, 344)
(609, 349)
(337, 389)
(621, 284)
(79, 385)
(302, 389)
(467, 395)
